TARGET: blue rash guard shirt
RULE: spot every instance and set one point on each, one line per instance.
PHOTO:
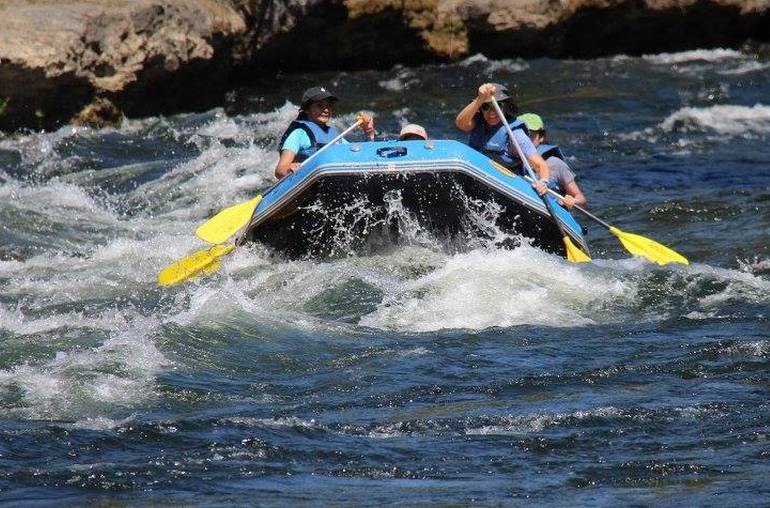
(527, 148)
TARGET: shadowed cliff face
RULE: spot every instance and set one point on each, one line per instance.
(625, 29)
(157, 56)
(327, 37)
(35, 100)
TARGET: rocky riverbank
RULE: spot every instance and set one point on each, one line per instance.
(93, 61)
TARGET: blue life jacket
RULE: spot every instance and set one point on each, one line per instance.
(319, 136)
(494, 143)
(546, 151)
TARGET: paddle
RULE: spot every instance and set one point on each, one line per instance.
(198, 263)
(635, 244)
(574, 254)
(218, 229)
(230, 220)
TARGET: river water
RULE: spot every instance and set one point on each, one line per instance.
(415, 376)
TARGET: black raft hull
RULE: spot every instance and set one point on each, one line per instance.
(342, 207)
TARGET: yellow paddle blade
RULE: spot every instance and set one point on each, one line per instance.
(641, 246)
(227, 222)
(198, 263)
(574, 254)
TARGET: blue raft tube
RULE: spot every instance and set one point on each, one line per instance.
(341, 200)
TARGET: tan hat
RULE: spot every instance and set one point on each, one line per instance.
(413, 129)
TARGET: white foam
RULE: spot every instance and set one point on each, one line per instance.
(526, 424)
(484, 288)
(55, 199)
(220, 175)
(425, 290)
(223, 127)
(724, 119)
(387, 431)
(738, 286)
(270, 124)
(726, 62)
(109, 273)
(11, 267)
(100, 423)
(698, 55)
(18, 323)
(750, 266)
(84, 383)
(506, 64)
(759, 348)
(419, 351)
(473, 59)
(698, 413)
(217, 178)
(38, 149)
(403, 80)
(209, 303)
(703, 316)
(745, 68)
(286, 421)
(275, 293)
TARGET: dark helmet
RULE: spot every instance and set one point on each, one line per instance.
(501, 92)
(507, 104)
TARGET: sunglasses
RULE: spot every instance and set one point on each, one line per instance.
(488, 105)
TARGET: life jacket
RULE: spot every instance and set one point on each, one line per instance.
(546, 151)
(494, 143)
(319, 136)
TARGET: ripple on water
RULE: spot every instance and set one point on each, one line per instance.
(437, 374)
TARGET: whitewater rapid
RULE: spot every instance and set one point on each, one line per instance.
(88, 218)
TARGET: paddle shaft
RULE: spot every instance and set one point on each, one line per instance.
(341, 135)
(532, 179)
(327, 145)
(586, 212)
(334, 141)
(635, 244)
(524, 160)
(526, 165)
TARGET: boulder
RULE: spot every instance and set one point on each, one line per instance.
(148, 57)
(143, 55)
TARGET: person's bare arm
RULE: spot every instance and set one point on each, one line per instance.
(367, 125)
(465, 118)
(286, 164)
(541, 170)
(573, 195)
(539, 165)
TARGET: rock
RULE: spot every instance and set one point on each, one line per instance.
(100, 113)
(148, 57)
(573, 28)
(382, 33)
(143, 55)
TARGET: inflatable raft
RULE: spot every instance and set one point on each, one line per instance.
(358, 196)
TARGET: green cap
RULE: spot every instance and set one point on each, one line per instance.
(532, 121)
